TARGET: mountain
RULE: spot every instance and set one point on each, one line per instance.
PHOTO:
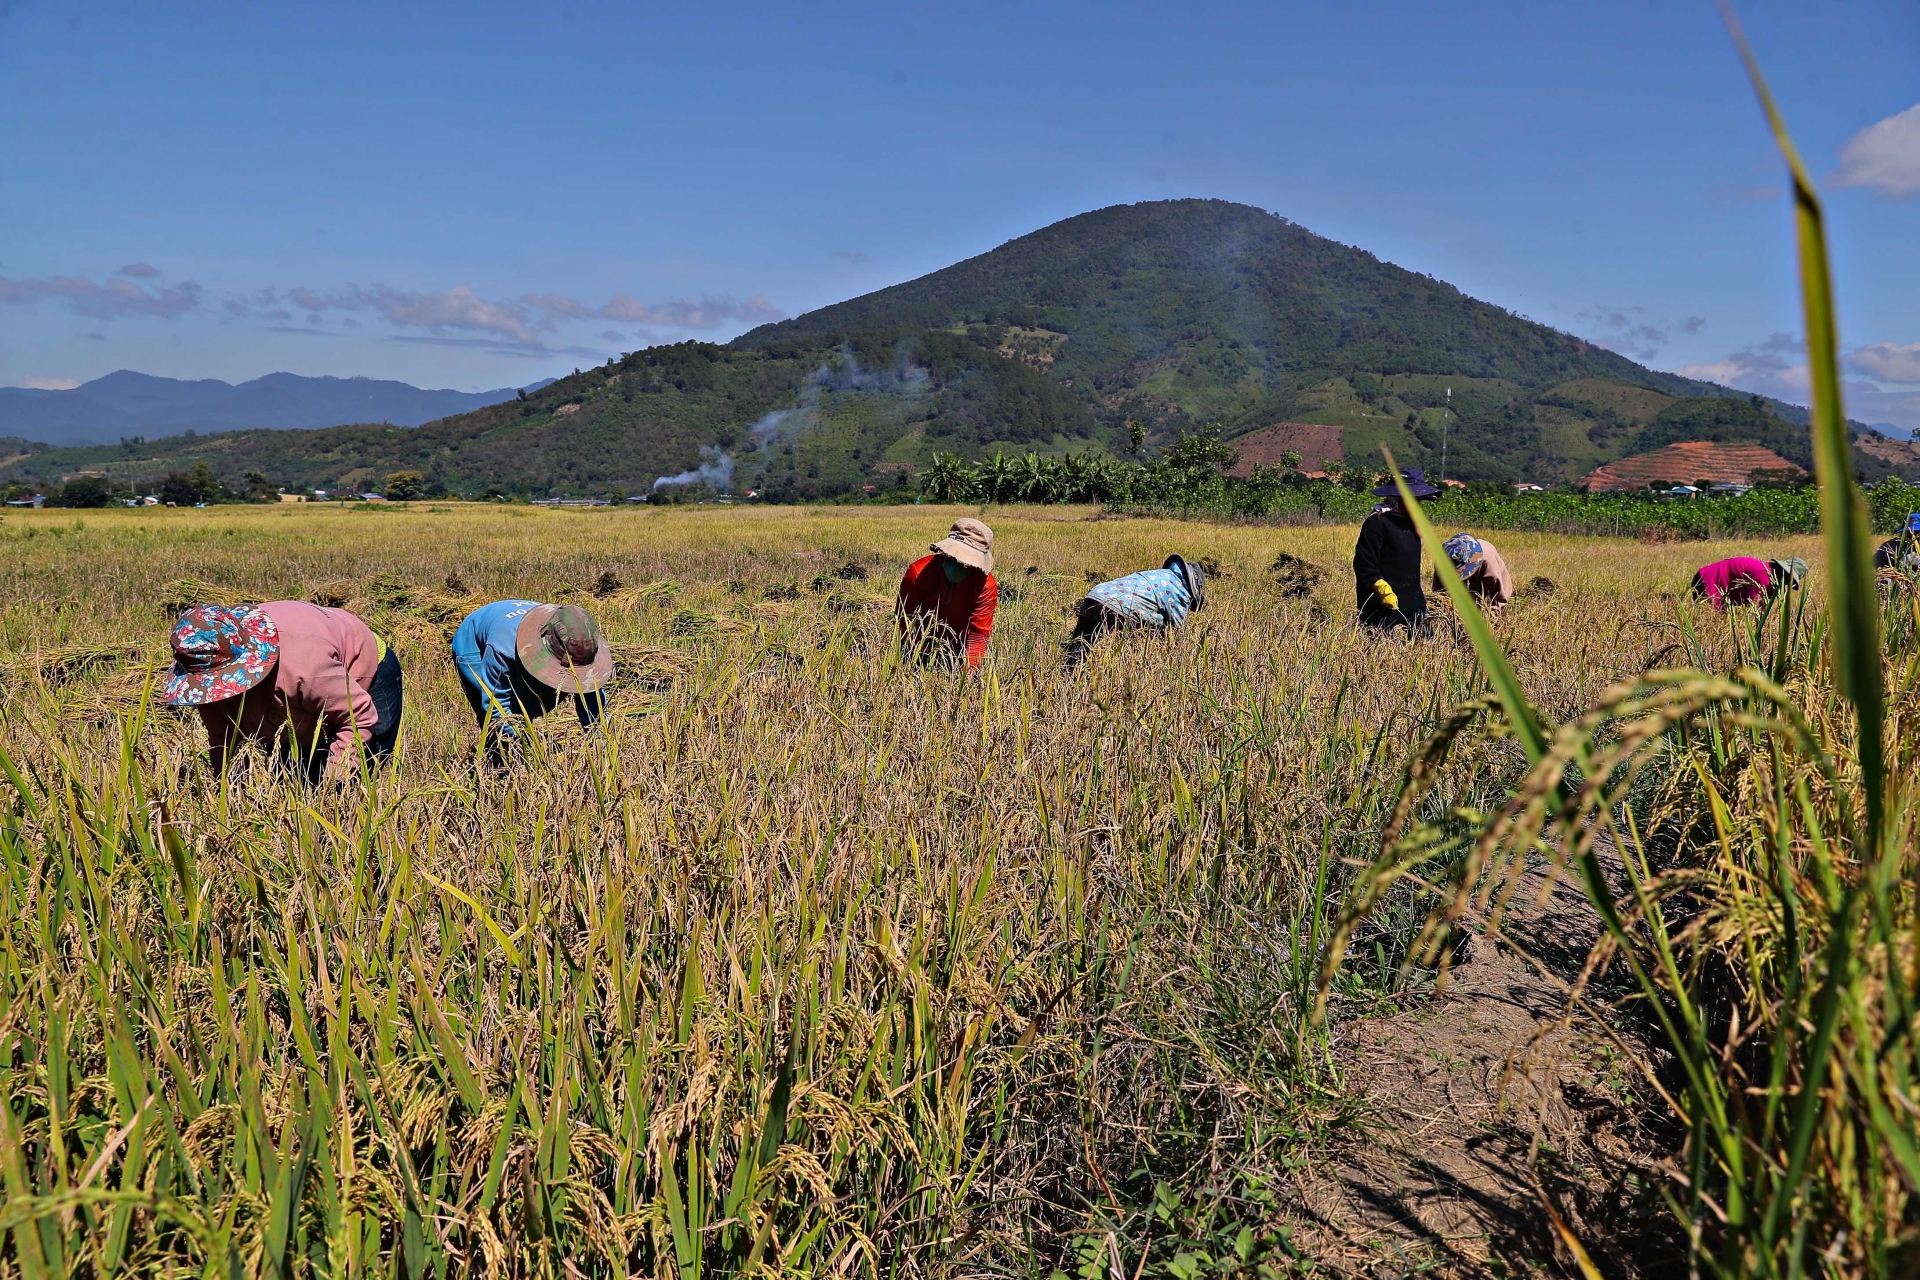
(1173, 314)
(135, 404)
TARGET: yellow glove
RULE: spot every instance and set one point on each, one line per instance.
(1385, 592)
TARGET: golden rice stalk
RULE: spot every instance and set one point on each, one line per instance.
(647, 667)
(693, 624)
(333, 593)
(60, 665)
(414, 632)
(183, 593)
(390, 592)
(118, 695)
(446, 611)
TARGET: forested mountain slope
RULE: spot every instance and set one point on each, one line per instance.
(1173, 313)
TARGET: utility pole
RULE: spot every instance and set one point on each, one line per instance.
(1445, 413)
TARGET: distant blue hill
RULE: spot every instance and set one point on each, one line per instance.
(135, 404)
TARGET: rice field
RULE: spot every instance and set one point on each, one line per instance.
(810, 962)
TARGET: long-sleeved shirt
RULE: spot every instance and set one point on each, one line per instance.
(318, 693)
(960, 613)
(1488, 577)
(1388, 547)
(1738, 580)
(1152, 597)
(487, 654)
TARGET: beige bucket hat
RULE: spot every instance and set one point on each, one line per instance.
(970, 542)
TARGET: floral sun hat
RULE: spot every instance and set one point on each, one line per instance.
(219, 652)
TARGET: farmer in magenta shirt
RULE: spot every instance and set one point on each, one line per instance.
(316, 682)
(1746, 579)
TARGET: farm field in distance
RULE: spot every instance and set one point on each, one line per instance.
(810, 962)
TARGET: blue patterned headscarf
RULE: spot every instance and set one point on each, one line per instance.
(1464, 549)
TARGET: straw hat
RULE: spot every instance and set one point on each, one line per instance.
(560, 646)
(970, 542)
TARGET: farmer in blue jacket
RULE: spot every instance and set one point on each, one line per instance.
(1153, 599)
(517, 657)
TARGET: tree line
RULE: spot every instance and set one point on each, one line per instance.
(1190, 479)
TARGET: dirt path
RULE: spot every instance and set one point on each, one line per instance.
(1489, 1104)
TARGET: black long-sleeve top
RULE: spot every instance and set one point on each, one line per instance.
(1389, 547)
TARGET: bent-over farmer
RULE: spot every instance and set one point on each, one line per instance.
(516, 658)
(1746, 579)
(1480, 567)
(1152, 599)
(1900, 553)
(946, 600)
(313, 683)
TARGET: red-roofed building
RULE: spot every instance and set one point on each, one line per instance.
(1686, 462)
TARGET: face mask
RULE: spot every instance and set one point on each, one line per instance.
(954, 569)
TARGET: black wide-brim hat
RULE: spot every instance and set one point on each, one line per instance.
(1416, 481)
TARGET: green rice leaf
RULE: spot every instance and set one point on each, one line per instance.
(1493, 659)
(1853, 599)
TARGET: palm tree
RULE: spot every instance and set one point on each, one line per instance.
(947, 479)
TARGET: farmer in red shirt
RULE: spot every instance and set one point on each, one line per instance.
(946, 601)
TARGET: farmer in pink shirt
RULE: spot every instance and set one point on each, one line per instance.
(1746, 580)
(317, 682)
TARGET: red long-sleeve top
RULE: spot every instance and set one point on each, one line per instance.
(963, 610)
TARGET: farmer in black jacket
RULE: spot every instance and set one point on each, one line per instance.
(1386, 561)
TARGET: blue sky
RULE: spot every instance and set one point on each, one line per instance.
(479, 195)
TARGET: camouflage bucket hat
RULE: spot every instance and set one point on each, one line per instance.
(1464, 549)
(219, 652)
(560, 646)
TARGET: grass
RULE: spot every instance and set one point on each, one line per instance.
(810, 962)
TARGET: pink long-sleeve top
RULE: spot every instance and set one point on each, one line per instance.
(1740, 580)
(318, 691)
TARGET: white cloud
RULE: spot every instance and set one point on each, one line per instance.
(457, 308)
(1628, 331)
(708, 313)
(521, 321)
(1884, 157)
(1776, 367)
(47, 384)
(139, 271)
(1887, 362)
(110, 301)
